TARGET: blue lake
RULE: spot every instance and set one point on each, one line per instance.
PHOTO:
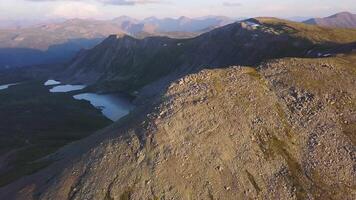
(3, 87)
(112, 106)
(67, 88)
(52, 82)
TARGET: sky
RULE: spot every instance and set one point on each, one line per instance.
(107, 9)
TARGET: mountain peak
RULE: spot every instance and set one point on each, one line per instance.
(342, 14)
(119, 36)
(184, 18)
(152, 18)
(124, 18)
(338, 20)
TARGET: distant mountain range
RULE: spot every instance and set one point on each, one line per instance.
(339, 20)
(25, 23)
(298, 18)
(59, 42)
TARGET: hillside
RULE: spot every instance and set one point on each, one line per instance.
(339, 20)
(124, 63)
(283, 131)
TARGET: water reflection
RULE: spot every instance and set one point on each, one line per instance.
(52, 82)
(67, 88)
(112, 106)
(3, 87)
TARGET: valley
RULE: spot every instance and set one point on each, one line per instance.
(36, 122)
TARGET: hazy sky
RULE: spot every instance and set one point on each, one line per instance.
(103, 9)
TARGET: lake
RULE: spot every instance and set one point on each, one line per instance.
(3, 87)
(112, 106)
(67, 88)
(52, 82)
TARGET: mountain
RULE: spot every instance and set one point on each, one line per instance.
(124, 18)
(283, 131)
(258, 109)
(298, 18)
(51, 43)
(17, 24)
(185, 24)
(339, 20)
(124, 63)
(44, 36)
(59, 42)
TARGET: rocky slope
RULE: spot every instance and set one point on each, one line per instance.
(283, 131)
(339, 20)
(127, 64)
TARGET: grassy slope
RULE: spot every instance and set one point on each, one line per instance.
(313, 33)
(35, 123)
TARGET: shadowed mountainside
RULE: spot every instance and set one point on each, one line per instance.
(59, 53)
(127, 64)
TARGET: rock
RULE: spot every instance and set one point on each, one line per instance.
(227, 188)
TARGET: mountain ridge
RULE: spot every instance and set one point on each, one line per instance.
(339, 20)
(244, 43)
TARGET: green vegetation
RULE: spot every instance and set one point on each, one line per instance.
(35, 123)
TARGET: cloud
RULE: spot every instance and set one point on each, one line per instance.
(232, 4)
(128, 2)
(51, 0)
(110, 2)
(70, 10)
